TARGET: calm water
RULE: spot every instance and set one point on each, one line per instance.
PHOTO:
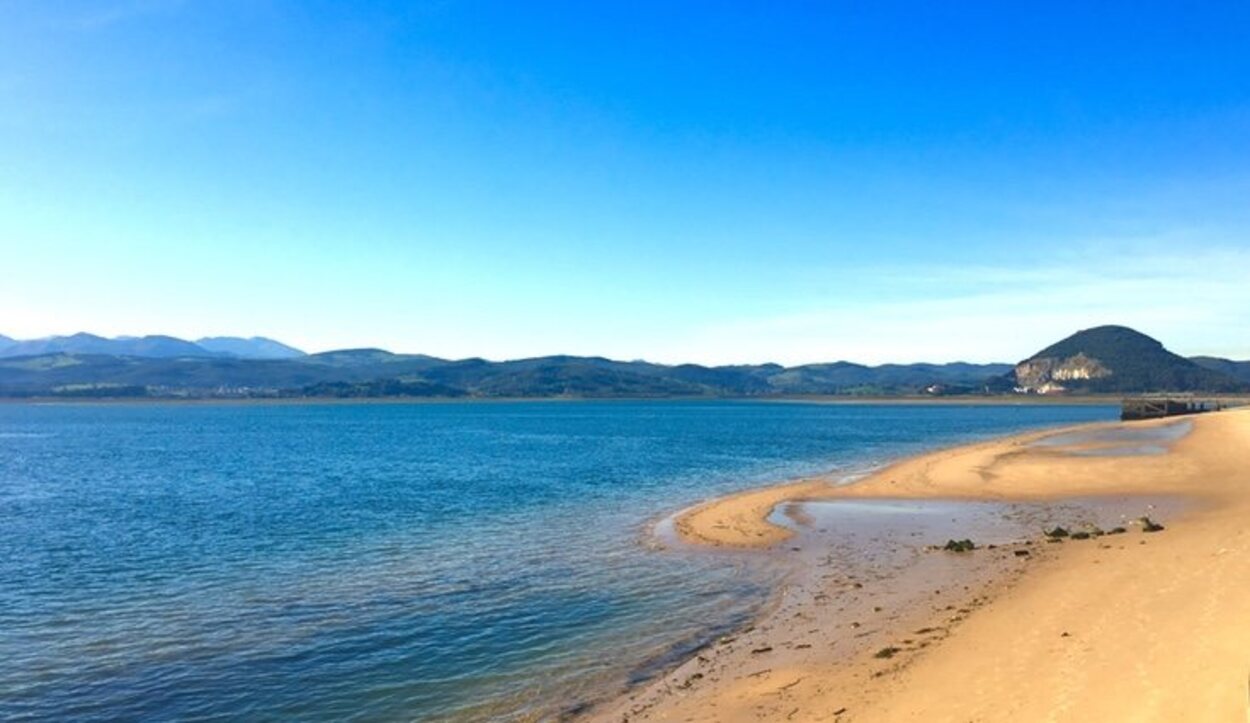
(389, 562)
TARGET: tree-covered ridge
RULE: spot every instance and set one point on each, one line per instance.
(374, 372)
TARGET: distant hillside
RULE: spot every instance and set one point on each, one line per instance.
(1239, 370)
(849, 378)
(1115, 359)
(155, 347)
(194, 376)
(378, 359)
(82, 343)
(257, 347)
(375, 372)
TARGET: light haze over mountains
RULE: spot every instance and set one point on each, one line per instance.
(155, 346)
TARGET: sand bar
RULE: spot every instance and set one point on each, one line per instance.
(1141, 627)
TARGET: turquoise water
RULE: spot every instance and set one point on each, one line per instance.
(391, 562)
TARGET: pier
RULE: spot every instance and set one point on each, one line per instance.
(1156, 407)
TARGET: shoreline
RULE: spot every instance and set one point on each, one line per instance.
(765, 675)
(739, 520)
(969, 401)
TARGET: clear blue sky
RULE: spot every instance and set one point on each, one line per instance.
(710, 182)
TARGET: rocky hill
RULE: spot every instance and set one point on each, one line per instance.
(1117, 359)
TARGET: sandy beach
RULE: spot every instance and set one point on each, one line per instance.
(1124, 627)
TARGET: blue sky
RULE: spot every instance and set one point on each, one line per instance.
(711, 182)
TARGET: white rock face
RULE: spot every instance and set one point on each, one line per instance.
(1065, 374)
(1043, 376)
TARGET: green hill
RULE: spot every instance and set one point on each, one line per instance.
(1239, 370)
(1116, 359)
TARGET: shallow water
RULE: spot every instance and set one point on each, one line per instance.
(882, 531)
(391, 562)
(1119, 441)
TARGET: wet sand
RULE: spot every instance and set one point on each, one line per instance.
(1134, 626)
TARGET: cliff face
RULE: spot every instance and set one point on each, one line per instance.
(1046, 375)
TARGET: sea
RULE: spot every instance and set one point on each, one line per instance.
(395, 562)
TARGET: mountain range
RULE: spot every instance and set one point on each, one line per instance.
(156, 347)
(1101, 360)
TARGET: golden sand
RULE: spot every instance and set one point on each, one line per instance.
(1132, 627)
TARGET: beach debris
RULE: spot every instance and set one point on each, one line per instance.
(1021, 553)
(1116, 531)
(1080, 535)
(887, 652)
(959, 546)
(839, 711)
(1149, 525)
(765, 649)
(1056, 533)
